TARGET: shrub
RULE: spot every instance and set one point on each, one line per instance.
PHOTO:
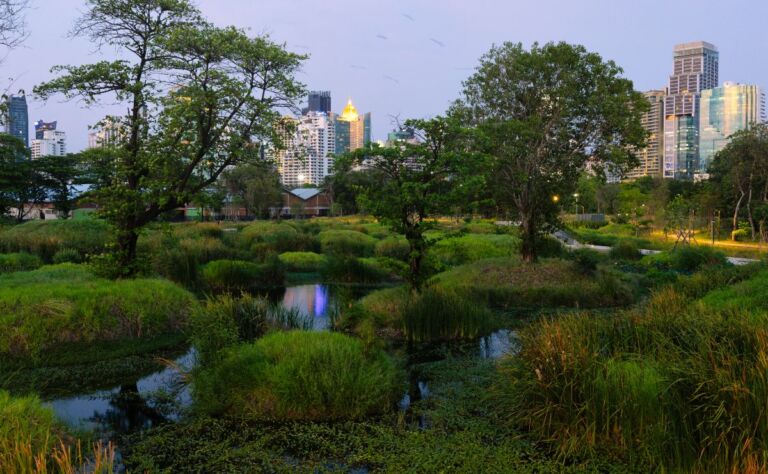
(625, 250)
(436, 314)
(302, 261)
(67, 256)
(277, 238)
(481, 228)
(226, 320)
(237, 275)
(586, 260)
(45, 238)
(393, 247)
(299, 375)
(39, 314)
(740, 235)
(473, 247)
(31, 440)
(19, 262)
(351, 270)
(549, 247)
(346, 243)
(686, 259)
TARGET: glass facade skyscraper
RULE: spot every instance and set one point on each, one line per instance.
(695, 68)
(319, 101)
(352, 130)
(724, 111)
(17, 120)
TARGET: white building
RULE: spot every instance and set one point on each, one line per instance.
(307, 157)
(108, 132)
(52, 143)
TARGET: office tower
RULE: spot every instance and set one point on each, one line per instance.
(52, 143)
(319, 101)
(309, 144)
(724, 111)
(352, 131)
(108, 132)
(41, 127)
(695, 68)
(652, 156)
(17, 118)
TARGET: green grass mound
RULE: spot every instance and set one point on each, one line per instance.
(393, 247)
(299, 375)
(45, 238)
(346, 243)
(45, 308)
(19, 262)
(750, 296)
(266, 238)
(302, 261)
(686, 259)
(509, 283)
(675, 384)
(238, 275)
(625, 249)
(440, 315)
(356, 270)
(473, 247)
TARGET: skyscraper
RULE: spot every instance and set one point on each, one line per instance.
(695, 68)
(352, 131)
(308, 148)
(319, 101)
(652, 155)
(52, 143)
(17, 119)
(109, 132)
(724, 111)
(41, 127)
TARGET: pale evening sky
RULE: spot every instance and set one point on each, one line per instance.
(408, 57)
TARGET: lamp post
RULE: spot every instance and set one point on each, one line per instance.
(576, 204)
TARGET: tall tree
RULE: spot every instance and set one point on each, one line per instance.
(61, 175)
(199, 99)
(22, 186)
(13, 27)
(416, 181)
(256, 187)
(545, 113)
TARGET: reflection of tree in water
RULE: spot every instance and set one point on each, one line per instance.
(128, 412)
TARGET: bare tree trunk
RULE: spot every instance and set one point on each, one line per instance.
(749, 213)
(736, 215)
(528, 248)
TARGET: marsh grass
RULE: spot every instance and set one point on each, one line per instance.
(45, 238)
(19, 262)
(438, 315)
(237, 275)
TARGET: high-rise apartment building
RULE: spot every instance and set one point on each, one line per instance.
(108, 132)
(319, 101)
(352, 130)
(17, 118)
(308, 149)
(52, 143)
(724, 111)
(695, 68)
(41, 127)
(652, 156)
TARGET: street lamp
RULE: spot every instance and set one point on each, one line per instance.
(555, 198)
(576, 204)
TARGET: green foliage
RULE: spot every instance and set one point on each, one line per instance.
(45, 238)
(472, 247)
(436, 315)
(625, 250)
(302, 261)
(265, 238)
(586, 260)
(393, 247)
(352, 270)
(67, 256)
(686, 259)
(226, 320)
(742, 298)
(346, 243)
(299, 375)
(42, 310)
(19, 262)
(237, 275)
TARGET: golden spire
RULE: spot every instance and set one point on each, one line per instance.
(350, 112)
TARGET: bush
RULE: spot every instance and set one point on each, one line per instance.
(437, 314)
(393, 247)
(45, 238)
(237, 275)
(686, 259)
(586, 260)
(351, 270)
(346, 243)
(625, 250)
(19, 262)
(225, 321)
(40, 313)
(302, 261)
(67, 256)
(740, 235)
(473, 247)
(277, 238)
(549, 247)
(299, 375)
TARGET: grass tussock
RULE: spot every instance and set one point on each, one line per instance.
(346, 243)
(299, 375)
(46, 238)
(304, 262)
(19, 262)
(237, 275)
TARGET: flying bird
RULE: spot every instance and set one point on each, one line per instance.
(390, 78)
(408, 16)
(437, 42)
(358, 67)
(381, 36)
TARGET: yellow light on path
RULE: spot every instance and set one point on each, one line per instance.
(555, 198)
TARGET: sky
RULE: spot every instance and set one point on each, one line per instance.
(408, 58)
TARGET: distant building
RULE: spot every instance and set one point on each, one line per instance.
(52, 143)
(695, 68)
(352, 130)
(406, 135)
(17, 118)
(319, 101)
(309, 144)
(109, 132)
(652, 156)
(724, 111)
(41, 127)
(303, 202)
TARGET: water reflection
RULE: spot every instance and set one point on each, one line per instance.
(312, 300)
(499, 344)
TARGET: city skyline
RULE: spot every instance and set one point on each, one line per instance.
(406, 73)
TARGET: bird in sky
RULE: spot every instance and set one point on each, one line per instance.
(358, 67)
(437, 42)
(408, 16)
(380, 36)
(390, 78)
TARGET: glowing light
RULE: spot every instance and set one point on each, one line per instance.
(350, 113)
